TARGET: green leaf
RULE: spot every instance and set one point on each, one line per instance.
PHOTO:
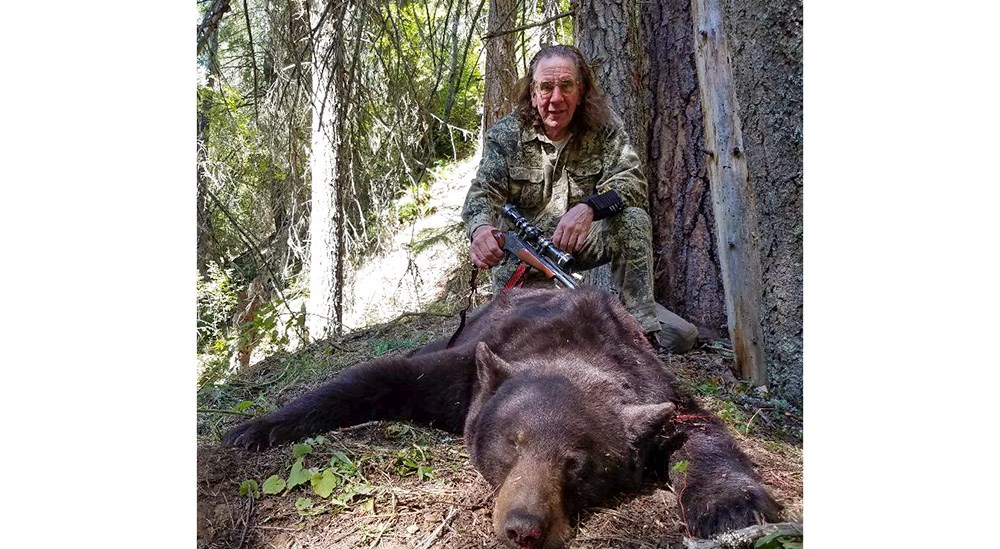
(425, 472)
(775, 540)
(274, 485)
(250, 488)
(299, 475)
(300, 450)
(368, 505)
(680, 466)
(339, 458)
(324, 483)
(243, 406)
(304, 504)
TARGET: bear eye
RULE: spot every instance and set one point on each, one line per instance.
(574, 464)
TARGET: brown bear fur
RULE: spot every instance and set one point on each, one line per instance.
(562, 403)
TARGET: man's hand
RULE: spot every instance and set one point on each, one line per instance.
(573, 228)
(484, 250)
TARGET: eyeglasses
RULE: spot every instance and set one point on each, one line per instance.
(567, 87)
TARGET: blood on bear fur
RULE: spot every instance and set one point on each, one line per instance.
(562, 403)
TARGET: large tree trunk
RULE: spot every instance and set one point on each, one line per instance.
(765, 38)
(203, 212)
(732, 198)
(501, 72)
(607, 35)
(688, 279)
(325, 293)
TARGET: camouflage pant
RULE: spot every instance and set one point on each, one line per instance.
(626, 241)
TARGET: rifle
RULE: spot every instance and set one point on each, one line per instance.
(528, 244)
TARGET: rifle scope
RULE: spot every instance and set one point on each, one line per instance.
(535, 237)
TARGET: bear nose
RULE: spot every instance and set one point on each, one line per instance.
(524, 529)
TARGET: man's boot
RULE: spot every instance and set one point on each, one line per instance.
(676, 335)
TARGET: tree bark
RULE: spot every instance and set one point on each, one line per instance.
(501, 72)
(203, 212)
(210, 22)
(607, 35)
(688, 279)
(765, 37)
(732, 197)
(325, 218)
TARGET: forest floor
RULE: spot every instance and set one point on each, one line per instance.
(399, 485)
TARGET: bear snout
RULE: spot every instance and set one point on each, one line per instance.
(524, 528)
(529, 511)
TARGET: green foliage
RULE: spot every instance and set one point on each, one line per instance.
(380, 347)
(680, 467)
(268, 325)
(709, 387)
(299, 474)
(414, 202)
(324, 482)
(249, 488)
(274, 485)
(777, 541)
(306, 507)
(338, 484)
(216, 297)
(733, 415)
(300, 450)
(413, 461)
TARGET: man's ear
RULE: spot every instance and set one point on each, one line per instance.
(643, 419)
(490, 369)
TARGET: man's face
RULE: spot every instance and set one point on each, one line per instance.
(555, 92)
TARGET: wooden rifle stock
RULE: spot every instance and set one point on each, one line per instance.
(513, 244)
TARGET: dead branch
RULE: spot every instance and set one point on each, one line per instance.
(210, 22)
(429, 540)
(744, 538)
(217, 411)
(528, 26)
(253, 63)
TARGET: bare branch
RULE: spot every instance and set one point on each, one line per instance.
(253, 62)
(210, 22)
(745, 538)
(529, 25)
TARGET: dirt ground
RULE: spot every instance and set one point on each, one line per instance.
(450, 505)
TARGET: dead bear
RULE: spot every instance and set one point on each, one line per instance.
(562, 403)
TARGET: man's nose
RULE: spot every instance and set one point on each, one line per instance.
(557, 95)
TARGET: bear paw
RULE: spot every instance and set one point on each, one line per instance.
(258, 434)
(736, 508)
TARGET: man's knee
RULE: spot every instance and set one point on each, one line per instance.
(632, 223)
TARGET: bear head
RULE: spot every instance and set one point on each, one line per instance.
(550, 446)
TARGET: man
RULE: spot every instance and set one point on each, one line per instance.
(563, 159)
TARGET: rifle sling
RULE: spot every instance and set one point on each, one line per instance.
(461, 315)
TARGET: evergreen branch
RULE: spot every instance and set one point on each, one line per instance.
(249, 242)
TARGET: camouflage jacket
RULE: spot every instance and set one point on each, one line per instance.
(521, 166)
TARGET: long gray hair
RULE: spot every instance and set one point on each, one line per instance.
(593, 111)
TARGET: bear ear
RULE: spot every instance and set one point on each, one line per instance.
(490, 368)
(642, 419)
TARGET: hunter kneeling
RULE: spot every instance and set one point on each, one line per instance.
(562, 158)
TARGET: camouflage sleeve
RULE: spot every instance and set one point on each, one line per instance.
(489, 189)
(623, 171)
